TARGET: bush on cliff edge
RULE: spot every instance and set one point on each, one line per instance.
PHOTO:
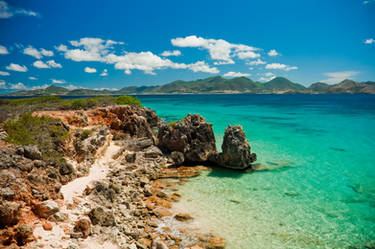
(47, 133)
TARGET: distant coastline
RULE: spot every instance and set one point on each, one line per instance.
(212, 85)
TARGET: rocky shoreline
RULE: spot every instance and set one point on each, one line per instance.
(119, 183)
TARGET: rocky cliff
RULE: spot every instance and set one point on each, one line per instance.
(112, 189)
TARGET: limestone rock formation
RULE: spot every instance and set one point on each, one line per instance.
(9, 214)
(102, 217)
(82, 226)
(45, 208)
(192, 136)
(23, 234)
(236, 152)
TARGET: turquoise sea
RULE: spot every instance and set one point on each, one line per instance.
(319, 191)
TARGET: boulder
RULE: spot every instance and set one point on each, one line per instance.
(133, 120)
(82, 226)
(102, 217)
(158, 244)
(23, 234)
(137, 144)
(236, 152)
(152, 152)
(6, 237)
(45, 208)
(7, 193)
(66, 168)
(183, 217)
(130, 157)
(192, 136)
(9, 214)
(47, 226)
(32, 152)
(177, 158)
(216, 243)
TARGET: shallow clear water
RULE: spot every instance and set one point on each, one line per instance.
(321, 192)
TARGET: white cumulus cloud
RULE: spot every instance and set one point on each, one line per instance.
(30, 50)
(219, 49)
(201, 66)
(336, 77)
(40, 64)
(55, 81)
(47, 64)
(370, 41)
(45, 52)
(104, 73)
(3, 50)
(2, 73)
(18, 86)
(90, 70)
(256, 62)
(248, 55)
(105, 88)
(273, 52)
(73, 87)
(2, 84)
(16, 67)
(8, 11)
(236, 74)
(267, 77)
(99, 50)
(40, 87)
(171, 53)
(281, 67)
(88, 49)
(54, 64)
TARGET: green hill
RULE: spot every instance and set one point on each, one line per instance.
(215, 84)
(282, 84)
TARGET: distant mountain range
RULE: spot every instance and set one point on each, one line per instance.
(216, 84)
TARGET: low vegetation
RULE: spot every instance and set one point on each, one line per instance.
(47, 133)
(12, 108)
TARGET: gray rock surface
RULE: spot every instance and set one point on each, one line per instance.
(236, 152)
(9, 214)
(45, 208)
(102, 217)
(192, 136)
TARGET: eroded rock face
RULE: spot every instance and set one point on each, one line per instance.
(192, 136)
(135, 121)
(102, 217)
(236, 152)
(82, 226)
(9, 214)
(23, 234)
(45, 208)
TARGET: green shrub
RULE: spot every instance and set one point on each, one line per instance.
(172, 124)
(35, 100)
(78, 104)
(85, 134)
(127, 100)
(47, 133)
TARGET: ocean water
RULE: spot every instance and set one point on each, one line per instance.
(319, 191)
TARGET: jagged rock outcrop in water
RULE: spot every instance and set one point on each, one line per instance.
(236, 152)
(192, 136)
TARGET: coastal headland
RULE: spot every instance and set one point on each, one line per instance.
(107, 177)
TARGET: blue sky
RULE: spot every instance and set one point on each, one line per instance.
(112, 44)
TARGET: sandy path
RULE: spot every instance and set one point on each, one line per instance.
(57, 238)
(98, 171)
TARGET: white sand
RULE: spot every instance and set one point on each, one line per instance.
(98, 171)
(57, 237)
